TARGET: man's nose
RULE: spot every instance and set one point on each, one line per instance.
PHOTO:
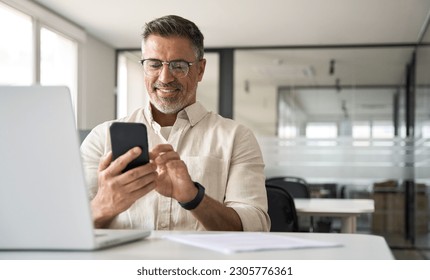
(165, 75)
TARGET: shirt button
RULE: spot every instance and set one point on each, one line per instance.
(163, 225)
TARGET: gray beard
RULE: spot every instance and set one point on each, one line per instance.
(169, 105)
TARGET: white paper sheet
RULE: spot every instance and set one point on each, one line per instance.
(247, 241)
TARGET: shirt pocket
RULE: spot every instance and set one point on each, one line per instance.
(211, 172)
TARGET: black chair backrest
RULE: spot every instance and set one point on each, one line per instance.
(282, 210)
(297, 187)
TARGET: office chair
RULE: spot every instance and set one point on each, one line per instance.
(282, 211)
(295, 186)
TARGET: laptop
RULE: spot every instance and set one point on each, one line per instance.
(44, 203)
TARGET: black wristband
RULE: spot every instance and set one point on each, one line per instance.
(196, 201)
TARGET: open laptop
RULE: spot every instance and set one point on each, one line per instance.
(44, 203)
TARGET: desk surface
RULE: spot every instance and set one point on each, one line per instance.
(155, 247)
(334, 206)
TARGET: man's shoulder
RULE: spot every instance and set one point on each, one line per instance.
(225, 122)
(225, 126)
(137, 115)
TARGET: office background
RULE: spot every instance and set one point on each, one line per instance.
(337, 92)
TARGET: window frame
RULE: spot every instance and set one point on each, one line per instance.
(43, 18)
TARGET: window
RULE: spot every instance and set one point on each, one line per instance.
(130, 84)
(361, 130)
(321, 130)
(122, 96)
(382, 130)
(16, 48)
(34, 54)
(58, 61)
(288, 131)
(426, 130)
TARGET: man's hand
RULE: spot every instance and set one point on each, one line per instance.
(173, 177)
(117, 191)
(175, 181)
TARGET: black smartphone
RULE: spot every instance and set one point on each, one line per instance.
(125, 136)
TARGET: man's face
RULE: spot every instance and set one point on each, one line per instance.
(167, 93)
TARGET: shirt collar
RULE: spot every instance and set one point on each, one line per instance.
(193, 113)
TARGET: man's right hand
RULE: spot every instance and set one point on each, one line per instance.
(117, 191)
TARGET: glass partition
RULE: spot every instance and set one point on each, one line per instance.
(337, 117)
(346, 162)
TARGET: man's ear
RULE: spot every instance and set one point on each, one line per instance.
(201, 68)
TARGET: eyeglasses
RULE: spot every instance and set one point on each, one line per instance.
(178, 68)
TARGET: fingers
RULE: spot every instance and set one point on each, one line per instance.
(105, 161)
(162, 154)
(121, 162)
(110, 173)
(160, 149)
(117, 192)
(139, 192)
(138, 177)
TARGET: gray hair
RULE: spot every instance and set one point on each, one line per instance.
(173, 25)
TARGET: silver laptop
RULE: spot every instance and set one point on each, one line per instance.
(44, 203)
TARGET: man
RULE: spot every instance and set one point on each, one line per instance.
(212, 166)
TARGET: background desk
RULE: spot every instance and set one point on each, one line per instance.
(355, 246)
(346, 209)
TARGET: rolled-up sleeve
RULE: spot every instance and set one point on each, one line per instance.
(246, 192)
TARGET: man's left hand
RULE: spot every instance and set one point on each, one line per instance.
(173, 178)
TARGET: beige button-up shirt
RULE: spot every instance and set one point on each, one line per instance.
(220, 154)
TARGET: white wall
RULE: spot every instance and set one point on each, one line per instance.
(97, 84)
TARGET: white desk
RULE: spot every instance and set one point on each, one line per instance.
(346, 209)
(354, 247)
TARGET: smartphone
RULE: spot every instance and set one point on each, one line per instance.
(125, 136)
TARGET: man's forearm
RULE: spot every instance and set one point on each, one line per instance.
(215, 216)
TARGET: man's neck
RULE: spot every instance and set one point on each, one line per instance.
(163, 119)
